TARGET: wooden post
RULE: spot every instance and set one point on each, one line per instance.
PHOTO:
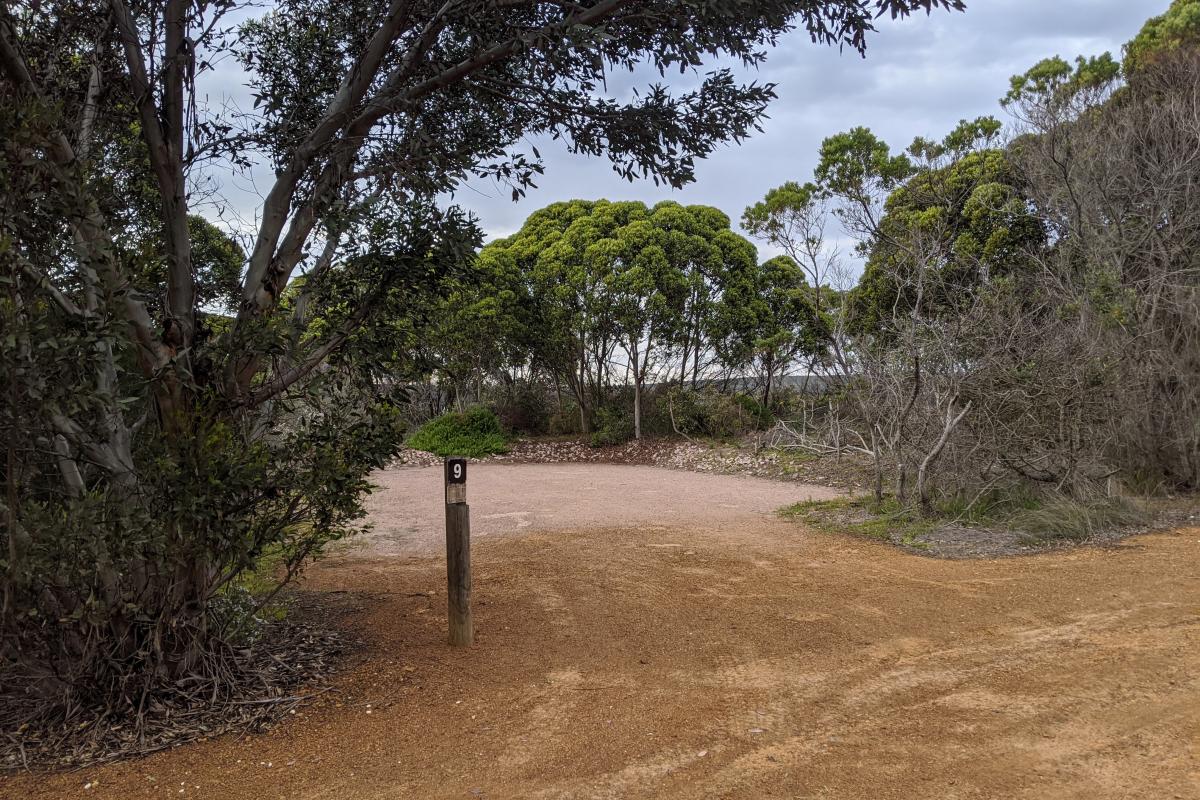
(458, 554)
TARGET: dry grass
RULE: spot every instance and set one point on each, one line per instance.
(1063, 519)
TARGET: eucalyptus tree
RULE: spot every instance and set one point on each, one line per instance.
(650, 265)
(959, 224)
(937, 225)
(163, 458)
(1108, 153)
(564, 314)
(1165, 36)
(793, 217)
(766, 318)
(607, 279)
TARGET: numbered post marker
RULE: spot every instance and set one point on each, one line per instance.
(456, 480)
(458, 554)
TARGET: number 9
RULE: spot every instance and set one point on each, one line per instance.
(458, 470)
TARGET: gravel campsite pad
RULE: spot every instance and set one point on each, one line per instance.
(648, 633)
(407, 511)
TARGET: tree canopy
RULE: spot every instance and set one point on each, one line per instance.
(600, 277)
(946, 232)
(1177, 28)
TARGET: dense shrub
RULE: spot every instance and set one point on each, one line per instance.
(613, 426)
(712, 413)
(129, 590)
(761, 417)
(565, 422)
(727, 416)
(524, 408)
(473, 434)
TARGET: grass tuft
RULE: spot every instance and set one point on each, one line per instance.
(1061, 519)
(996, 505)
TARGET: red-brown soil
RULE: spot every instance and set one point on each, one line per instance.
(700, 651)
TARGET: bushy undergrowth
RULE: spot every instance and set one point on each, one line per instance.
(1041, 519)
(711, 413)
(613, 426)
(524, 408)
(473, 434)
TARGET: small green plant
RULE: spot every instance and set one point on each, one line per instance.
(612, 427)
(759, 414)
(252, 598)
(473, 434)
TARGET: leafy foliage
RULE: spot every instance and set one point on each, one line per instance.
(474, 434)
(769, 317)
(613, 426)
(1055, 82)
(586, 278)
(1176, 29)
(977, 229)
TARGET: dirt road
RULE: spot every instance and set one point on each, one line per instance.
(720, 652)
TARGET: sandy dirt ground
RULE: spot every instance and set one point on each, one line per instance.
(635, 646)
(407, 514)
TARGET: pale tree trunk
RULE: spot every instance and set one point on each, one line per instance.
(877, 451)
(637, 389)
(766, 400)
(923, 472)
(584, 427)
(683, 368)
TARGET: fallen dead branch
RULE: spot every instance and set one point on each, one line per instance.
(786, 437)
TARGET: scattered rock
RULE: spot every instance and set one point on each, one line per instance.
(735, 458)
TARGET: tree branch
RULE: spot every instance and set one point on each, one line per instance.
(164, 141)
(92, 237)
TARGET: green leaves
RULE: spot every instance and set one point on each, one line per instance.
(191, 443)
(1178, 28)
(769, 218)
(474, 434)
(1052, 82)
(857, 164)
(945, 233)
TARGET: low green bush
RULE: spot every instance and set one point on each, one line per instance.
(473, 434)
(759, 414)
(612, 427)
(686, 408)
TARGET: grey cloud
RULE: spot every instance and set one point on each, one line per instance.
(920, 77)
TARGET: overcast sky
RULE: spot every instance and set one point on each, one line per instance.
(919, 78)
